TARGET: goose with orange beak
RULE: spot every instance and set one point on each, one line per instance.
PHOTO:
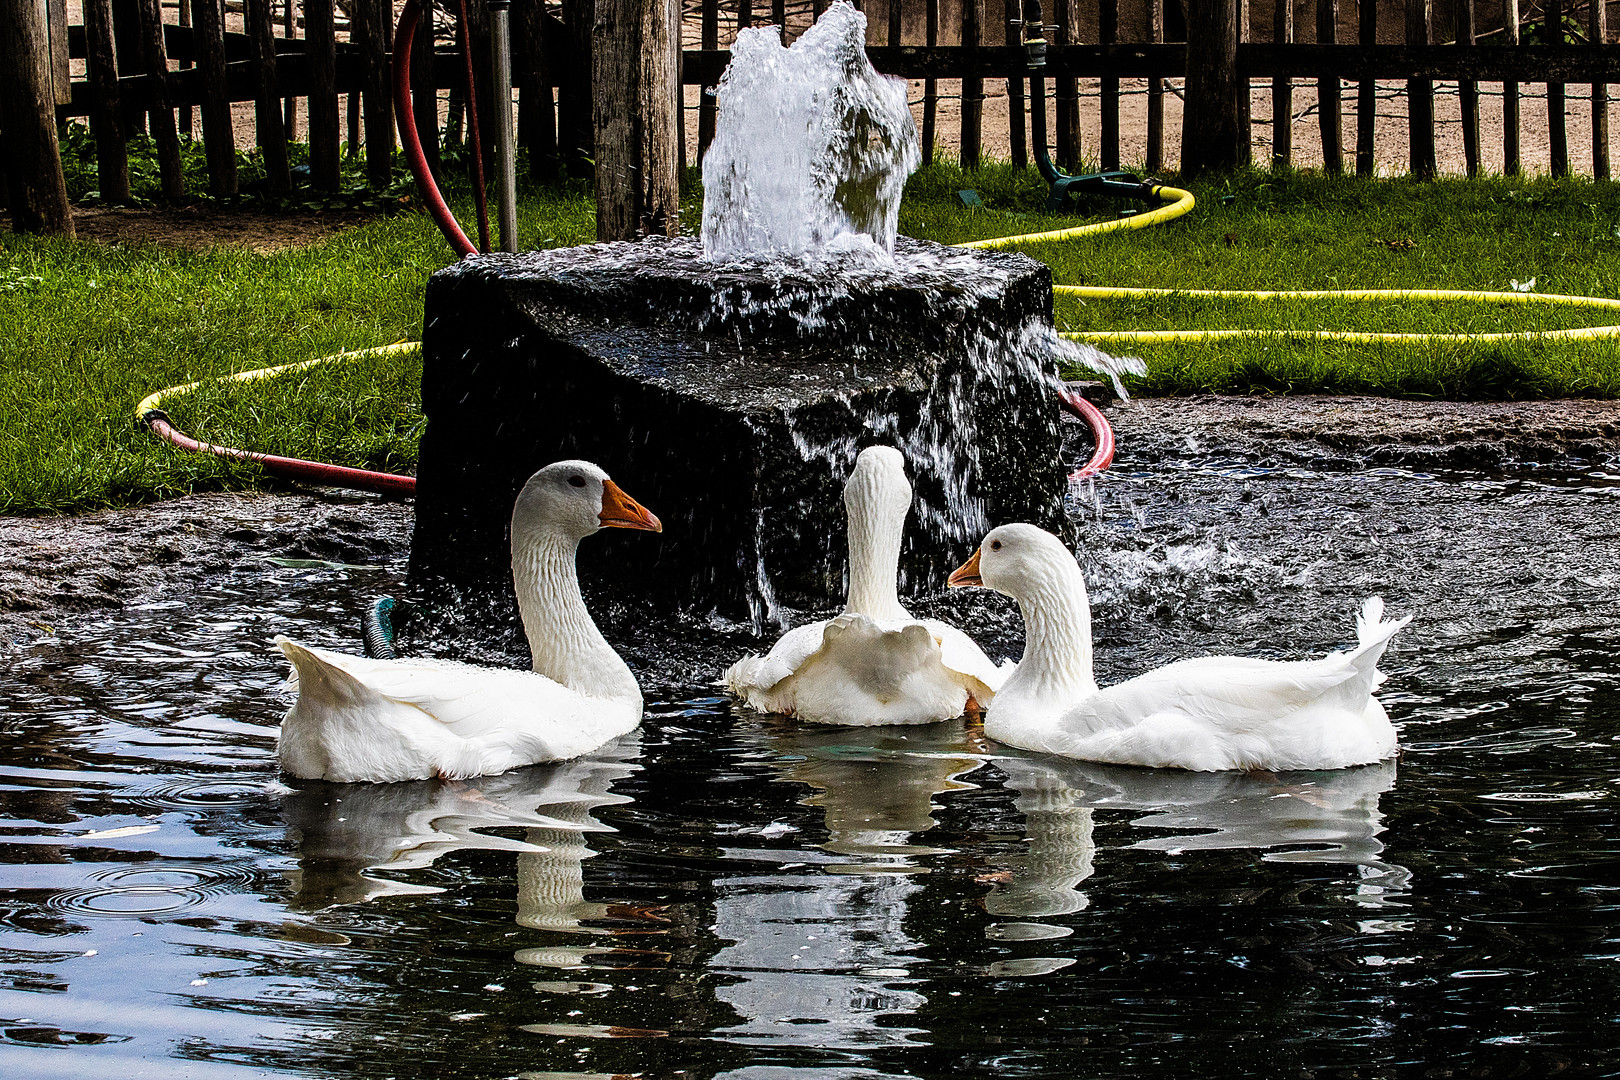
(1207, 714)
(359, 719)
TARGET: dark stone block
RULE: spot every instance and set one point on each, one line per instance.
(731, 401)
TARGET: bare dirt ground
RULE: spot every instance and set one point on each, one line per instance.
(58, 570)
(204, 225)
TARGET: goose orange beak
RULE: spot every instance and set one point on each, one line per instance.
(620, 511)
(966, 574)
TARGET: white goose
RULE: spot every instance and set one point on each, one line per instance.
(875, 663)
(1207, 714)
(358, 719)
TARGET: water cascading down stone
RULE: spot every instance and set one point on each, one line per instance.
(730, 388)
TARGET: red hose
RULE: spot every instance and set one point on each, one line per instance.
(314, 472)
(1101, 433)
(412, 141)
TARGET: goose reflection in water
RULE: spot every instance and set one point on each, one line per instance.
(348, 833)
(819, 949)
(1314, 817)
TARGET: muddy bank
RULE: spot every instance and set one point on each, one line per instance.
(57, 570)
(1326, 432)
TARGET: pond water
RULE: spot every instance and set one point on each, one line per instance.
(723, 894)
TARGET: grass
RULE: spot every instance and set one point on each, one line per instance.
(1305, 231)
(89, 330)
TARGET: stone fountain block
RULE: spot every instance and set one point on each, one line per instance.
(731, 401)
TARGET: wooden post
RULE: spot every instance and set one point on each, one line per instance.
(183, 112)
(1557, 132)
(1155, 93)
(1366, 94)
(36, 188)
(537, 110)
(219, 141)
(1211, 128)
(289, 30)
(1511, 165)
(1108, 34)
(267, 117)
(709, 39)
(779, 20)
(1420, 96)
(1282, 90)
(930, 136)
(1066, 91)
(1468, 90)
(1598, 34)
(574, 133)
(129, 46)
(1016, 145)
(155, 62)
(972, 88)
(1329, 103)
(635, 69)
(375, 37)
(320, 43)
(106, 111)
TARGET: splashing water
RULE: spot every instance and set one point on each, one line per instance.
(812, 146)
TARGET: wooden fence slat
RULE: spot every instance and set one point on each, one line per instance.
(1108, 34)
(1598, 33)
(1282, 90)
(155, 62)
(1557, 132)
(351, 116)
(31, 157)
(1420, 96)
(267, 117)
(1366, 92)
(972, 87)
(709, 37)
(376, 41)
(106, 119)
(1154, 157)
(219, 141)
(425, 95)
(779, 19)
(289, 30)
(1468, 90)
(1329, 100)
(1066, 89)
(1017, 147)
(1511, 165)
(186, 63)
(320, 43)
(930, 137)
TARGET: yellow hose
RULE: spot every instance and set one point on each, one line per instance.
(1583, 333)
(151, 402)
(1181, 202)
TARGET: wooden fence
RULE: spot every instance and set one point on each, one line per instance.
(318, 70)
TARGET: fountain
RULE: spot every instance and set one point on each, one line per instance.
(730, 383)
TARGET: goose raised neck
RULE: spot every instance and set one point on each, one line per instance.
(877, 498)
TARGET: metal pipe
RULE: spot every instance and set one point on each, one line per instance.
(500, 33)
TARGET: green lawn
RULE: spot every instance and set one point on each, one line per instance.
(86, 331)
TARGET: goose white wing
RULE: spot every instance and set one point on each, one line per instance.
(962, 654)
(755, 675)
(1225, 712)
(510, 717)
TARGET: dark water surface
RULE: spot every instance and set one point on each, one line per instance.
(722, 894)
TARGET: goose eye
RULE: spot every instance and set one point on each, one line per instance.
(995, 545)
(577, 480)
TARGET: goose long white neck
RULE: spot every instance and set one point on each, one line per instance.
(1057, 659)
(876, 500)
(564, 643)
